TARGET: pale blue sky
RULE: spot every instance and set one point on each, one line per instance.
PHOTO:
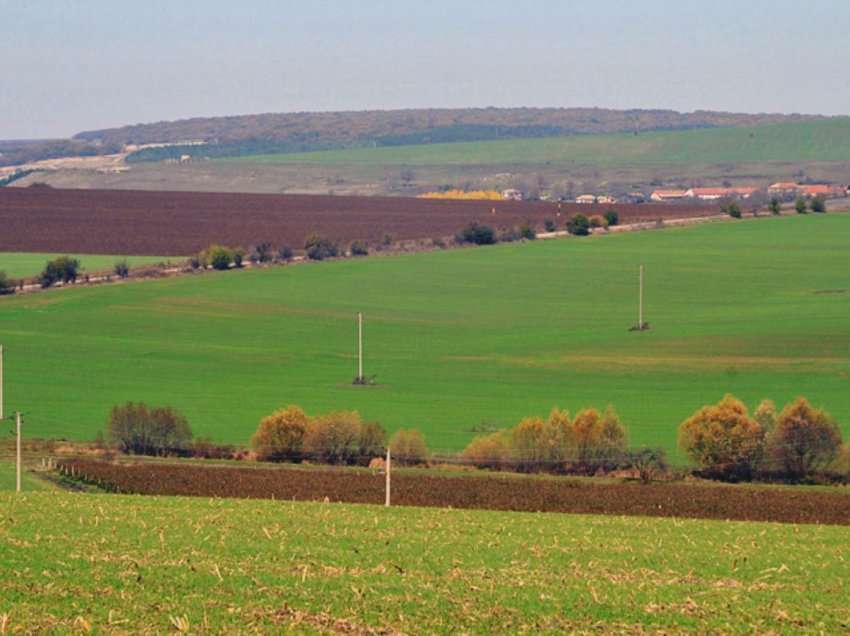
(74, 65)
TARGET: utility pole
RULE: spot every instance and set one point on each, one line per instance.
(360, 347)
(389, 461)
(18, 453)
(640, 302)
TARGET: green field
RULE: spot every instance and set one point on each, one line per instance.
(29, 483)
(808, 141)
(458, 340)
(26, 264)
(123, 564)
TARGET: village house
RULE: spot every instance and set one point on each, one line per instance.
(668, 195)
(713, 194)
(783, 189)
(586, 199)
(607, 200)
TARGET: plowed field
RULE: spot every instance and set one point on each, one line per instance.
(134, 222)
(494, 492)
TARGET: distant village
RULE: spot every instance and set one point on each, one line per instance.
(784, 191)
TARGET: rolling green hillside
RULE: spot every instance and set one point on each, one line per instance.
(807, 141)
(129, 564)
(457, 340)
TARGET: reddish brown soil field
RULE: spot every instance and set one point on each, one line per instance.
(180, 223)
(746, 503)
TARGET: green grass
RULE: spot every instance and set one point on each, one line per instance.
(758, 308)
(29, 482)
(146, 565)
(808, 141)
(27, 264)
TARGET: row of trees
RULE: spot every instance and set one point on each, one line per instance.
(340, 437)
(800, 442)
(585, 444)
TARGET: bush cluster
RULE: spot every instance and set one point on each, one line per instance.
(7, 285)
(319, 248)
(477, 234)
(578, 225)
(725, 442)
(141, 430)
(585, 444)
(612, 217)
(63, 268)
(219, 257)
(341, 437)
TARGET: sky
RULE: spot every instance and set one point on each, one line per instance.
(74, 65)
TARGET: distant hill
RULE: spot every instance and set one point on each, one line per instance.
(299, 132)
(825, 140)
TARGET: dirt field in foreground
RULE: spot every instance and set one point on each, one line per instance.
(180, 223)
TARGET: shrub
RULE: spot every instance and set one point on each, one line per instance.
(775, 205)
(359, 248)
(612, 217)
(333, 438)
(549, 225)
(140, 430)
(387, 240)
(280, 436)
(491, 451)
(840, 466)
(122, 269)
(63, 268)
(600, 440)
(319, 248)
(732, 209)
(538, 444)
(800, 205)
(285, 253)
(238, 256)
(7, 285)
(578, 225)
(598, 221)
(649, 462)
(818, 204)
(408, 447)
(372, 441)
(765, 415)
(217, 256)
(477, 234)
(527, 232)
(261, 253)
(804, 441)
(723, 440)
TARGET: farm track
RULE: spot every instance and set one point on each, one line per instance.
(493, 492)
(132, 222)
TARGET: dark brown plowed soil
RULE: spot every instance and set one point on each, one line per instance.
(136, 222)
(494, 492)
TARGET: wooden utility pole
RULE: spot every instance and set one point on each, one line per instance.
(389, 462)
(360, 347)
(18, 453)
(640, 301)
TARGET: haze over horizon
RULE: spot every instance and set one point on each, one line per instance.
(82, 66)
